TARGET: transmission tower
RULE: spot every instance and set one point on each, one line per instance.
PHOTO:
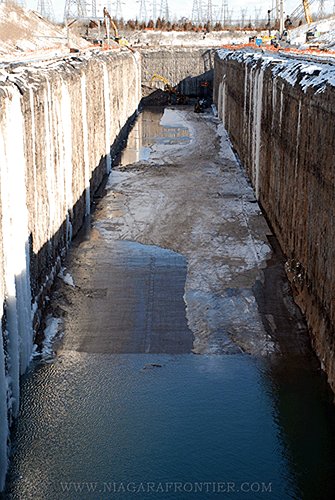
(196, 17)
(75, 8)
(109, 6)
(154, 10)
(45, 8)
(209, 12)
(321, 11)
(164, 14)
(243, 16)
(224, 13)
(118, 10)
(143, 12)
(94, 8)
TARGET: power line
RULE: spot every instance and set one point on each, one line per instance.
(209, 11)
(196, 16)
(164, 14)
(45, 8)
(76, 8)
(154, 10)
(321, 11)
(118, 10)
(143, 12)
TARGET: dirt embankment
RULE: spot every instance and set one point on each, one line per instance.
(23, 32)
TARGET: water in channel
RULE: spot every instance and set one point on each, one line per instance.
(168, 383)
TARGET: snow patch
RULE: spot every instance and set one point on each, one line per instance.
(67, 278)
(51, 332)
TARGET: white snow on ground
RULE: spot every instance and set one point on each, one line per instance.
(51, 332)
(317, 76)
(189, 38)
(326, 28)
(67, 278)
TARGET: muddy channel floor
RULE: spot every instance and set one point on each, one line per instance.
(178, 257)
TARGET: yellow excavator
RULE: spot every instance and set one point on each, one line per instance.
(166, 84)
(181, 99)
(120, 41)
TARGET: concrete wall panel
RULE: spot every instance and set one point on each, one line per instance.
(280, 118)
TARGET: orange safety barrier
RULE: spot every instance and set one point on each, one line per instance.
(275, 49)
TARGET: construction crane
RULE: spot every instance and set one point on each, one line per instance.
(308, 15)
(303, 9)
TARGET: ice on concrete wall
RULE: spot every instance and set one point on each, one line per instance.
(307, 74)
(49, 148)
(18, 333)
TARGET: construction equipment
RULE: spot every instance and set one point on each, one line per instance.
(308, 15)
(301, 10)
(181, 99)
(166, 84)
(120, 41)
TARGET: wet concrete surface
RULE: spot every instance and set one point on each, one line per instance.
(127, 298)
(179, 257)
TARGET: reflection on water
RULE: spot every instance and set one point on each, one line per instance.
(108, 421)
(142, 426)
(304, 413)
(147, 132)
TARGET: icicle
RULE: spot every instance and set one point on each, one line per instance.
(67, 155)
(15, 243)
(107, 120)
(3, 418)
(245, 125)
(136, 59)
(251, 87)
(274, 100)
(138, 138)
(257, 114)
(220, 102)
(281, 107)
(86, 157)
(224, 102)
(298, 140)
(49, 157)
(60, 155)
(33, 126)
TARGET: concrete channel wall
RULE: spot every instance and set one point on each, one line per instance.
(59, 124)
(280, 116)
(185, 68)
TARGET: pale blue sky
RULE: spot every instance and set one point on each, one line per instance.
(131, 8)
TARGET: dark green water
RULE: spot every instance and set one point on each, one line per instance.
(101, 427)
(166, 426)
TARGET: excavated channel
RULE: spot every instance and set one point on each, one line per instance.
(182, 367)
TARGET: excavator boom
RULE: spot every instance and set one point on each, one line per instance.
(159, 78)
(106, 14)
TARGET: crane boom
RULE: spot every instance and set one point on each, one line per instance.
(308, 15)
(300, 11)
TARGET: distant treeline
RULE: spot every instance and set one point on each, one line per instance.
(162, 25)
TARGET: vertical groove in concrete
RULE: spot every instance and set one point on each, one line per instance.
(283, 131)
(59, 125)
